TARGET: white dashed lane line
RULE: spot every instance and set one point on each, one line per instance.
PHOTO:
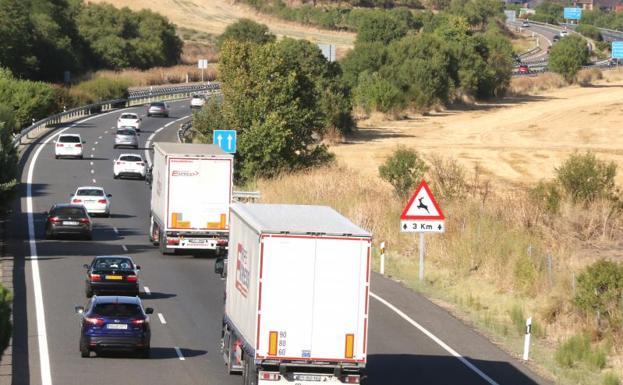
(116, 230)
(92, 171)
(95, 142)
(93, 180)
(146, 290)
(92, 155)
(91, 163)
(99, 137)
(161, 318)
(179, 354)
(125, 248)
(92, 148)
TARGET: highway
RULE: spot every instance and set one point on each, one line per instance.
(411, 340)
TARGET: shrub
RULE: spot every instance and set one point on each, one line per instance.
(448, 178)
(589, 31)
(568, 56)
(547, 196)
(586, 77)
(374, 93)
(585, 178)
(99, 89)
(403, 169)
(6, 329)
(600, 289)
(611, 378)
(209, 118)
(8, 155)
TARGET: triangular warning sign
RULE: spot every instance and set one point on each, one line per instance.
(422, 205)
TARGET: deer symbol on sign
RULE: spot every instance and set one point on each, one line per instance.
(422, 205)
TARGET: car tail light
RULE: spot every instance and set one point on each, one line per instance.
(131, 278)
(78, 145)
(59, 144)
(352, 379)
(95, 277)
(173, 241)
(94, 321)
(84, 220)
(76, 200)
(221, 242)
(54, 219)
(101, 201)
(138, 321)
(118, 163)
(141, 163)
(269, 376)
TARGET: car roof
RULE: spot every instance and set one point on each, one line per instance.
(130, 154)
(117, 299)
(78, 135)
(90, 188)
(112, 256)
(70, 205)
(129, 113)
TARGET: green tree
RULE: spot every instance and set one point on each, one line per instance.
(247, 30)
(585, 178)
(16, 37)
(209, 118)
(403, 169)
(568, 56)
(8, 158)
(381, 27)
(600, 289)
(364, 57)
(375, 93)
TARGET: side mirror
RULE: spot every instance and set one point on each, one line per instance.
(85, 266)
(219, 267)
(84, 142)
(149, 311)
(109, 195)
(79, 309)
(45, 213)
(138, 267)
(71, 194)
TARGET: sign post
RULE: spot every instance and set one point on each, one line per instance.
(202, 64)
(422, 214)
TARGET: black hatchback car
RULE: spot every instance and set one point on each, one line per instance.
(112, 274)
(68, 219)
(112, 322)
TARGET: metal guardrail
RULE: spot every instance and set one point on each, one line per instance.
(246, 196)
(181, 133)
(136, 98)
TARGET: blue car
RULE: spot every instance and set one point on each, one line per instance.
(114, 323)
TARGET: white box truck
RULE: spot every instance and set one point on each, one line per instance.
(297, 288)
(190, 196)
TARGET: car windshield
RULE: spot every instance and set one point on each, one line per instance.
(117, 310)
(129, 116)
(131, 158)
(112, 263)
(68, 212)
(92, 192)
(125, 132)
(69, 139)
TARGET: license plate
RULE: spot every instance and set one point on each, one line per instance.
(197, 241)
(70, 223)
(114, 277)
(117, 326)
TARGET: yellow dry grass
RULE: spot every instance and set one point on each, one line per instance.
(161, 75)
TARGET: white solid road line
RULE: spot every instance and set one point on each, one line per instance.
(179, 353)
(125, 248)
(162, 320)
(42, 337)
(435, 339)
(147, 156)
(146, 290)
(116, 230)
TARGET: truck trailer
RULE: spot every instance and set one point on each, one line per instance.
(296, 295)
(190, 196)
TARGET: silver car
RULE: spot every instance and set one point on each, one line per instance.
(126, 137)
(158, 108)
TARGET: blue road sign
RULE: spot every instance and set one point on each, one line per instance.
(572, 13)
(225, 139)
(617, 49)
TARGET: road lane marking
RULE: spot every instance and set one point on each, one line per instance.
(42, 338)
(91, 163)
(105, 132)
(92, 155)
(94, 181)
(92, 148)
(147, 155)
(125, 248)
(162, 320)
(92, 171)
(99, 137)
(179, 354)
(95, 142)
(116, 230)
(146, 290)
(436, 339)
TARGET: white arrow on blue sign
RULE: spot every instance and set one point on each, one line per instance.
(225, 139)
(617, 49)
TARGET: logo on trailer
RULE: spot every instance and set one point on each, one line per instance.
(242, 270)
(184, 173)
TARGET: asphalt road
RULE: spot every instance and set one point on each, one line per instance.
(420, 345)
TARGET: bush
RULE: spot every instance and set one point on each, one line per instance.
(547, 196)
(209, 118)
(6, 329)
(585, 178)
(374, 93)
(568, 56)
(99, 89)
(448, 178)
(577, 349)
(586, 77)
(611, 378)
(600, 289)
(8, 155)
(403, 170)
(589, 31)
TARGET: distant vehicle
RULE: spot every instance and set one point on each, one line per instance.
(524, 69)
(94, 199)
(564, 33)
(149, 176)
(556, 38)
(68, 219)
(197, 101)
(525, 24)
(112, 274)
(128, 119)
(126, 137)
(69, 145)
(129, 165)
(114, 322)
(158, 109)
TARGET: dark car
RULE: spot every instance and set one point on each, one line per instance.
(158, 108)
(68, 219)
(556, 38)
(114, 322)
(112, 274)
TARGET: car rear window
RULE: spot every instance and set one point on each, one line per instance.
(90, 192)
(117, 309)
(125, 132)
(157, 104)
(69, 139)
(129, 116)
(68, 211)
(131, 158)
(113, 263)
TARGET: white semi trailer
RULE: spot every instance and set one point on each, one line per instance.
(297, 291)
(190, 196)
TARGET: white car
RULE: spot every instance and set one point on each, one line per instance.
(94, 199)
(564, 33)
(129, 165)
(69, 145)
(129, 119)
(197, 101)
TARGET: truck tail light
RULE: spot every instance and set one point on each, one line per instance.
(351, 379)
(272, 343)
(350, 346)
(221, 242)
(173, 242)
(269, 376)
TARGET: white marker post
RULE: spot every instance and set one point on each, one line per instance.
(526, 342)
(382, 268)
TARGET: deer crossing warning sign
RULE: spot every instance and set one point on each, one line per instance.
(422, 213)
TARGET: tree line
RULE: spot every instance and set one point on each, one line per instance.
(41, 39)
